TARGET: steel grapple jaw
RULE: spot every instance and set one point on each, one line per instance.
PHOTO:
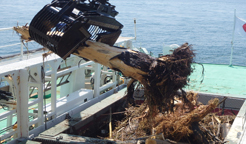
(64, 25)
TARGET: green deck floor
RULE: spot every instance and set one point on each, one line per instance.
(219, 79)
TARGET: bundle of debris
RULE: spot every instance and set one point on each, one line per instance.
(169, 114)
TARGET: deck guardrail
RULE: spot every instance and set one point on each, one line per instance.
(34, 73)
(4, 46)
(4, 29)
(31, 76)
(22, 76)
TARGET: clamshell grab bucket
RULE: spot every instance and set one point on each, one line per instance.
(63, 26)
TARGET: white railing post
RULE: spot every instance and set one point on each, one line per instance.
(128, 44)
(114, 78)
(54, 89)
(82, 77)
(36, 74)
(22, 104)
(135, 28)
(232, 41)
(40, 105)
(78, 76)
(9, 120)
(4, 29)
(41, 98)
(22, 51)
(97, 79)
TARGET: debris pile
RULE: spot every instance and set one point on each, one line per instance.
(188, 122)
(169, 113)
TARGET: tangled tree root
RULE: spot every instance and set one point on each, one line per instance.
(165, 76)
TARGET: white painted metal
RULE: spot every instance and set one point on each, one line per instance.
(36, 101)
(22, 104)
(108, 85)
(4, 29)
(6, 114)
(40, 104)
(97, 79)
(124, 42)
(232, 41)
(9, 120)
(22, 51)
(78, 77)
(82, 75)
(53, 91)
(115, 79)
(8, 134)
(10, 45)
(135, 28)
(237, 132)
(36, 120)
(74, 99)
(54, 65)
(128, 44)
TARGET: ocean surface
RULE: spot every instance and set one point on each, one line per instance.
(206, 24)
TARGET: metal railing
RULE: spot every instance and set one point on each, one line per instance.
(4, 29)
(22, 76)
(20, 43)
(34, 75)
(29, 76)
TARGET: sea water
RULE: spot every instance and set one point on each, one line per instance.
(206, 24)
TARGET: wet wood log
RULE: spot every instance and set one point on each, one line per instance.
(161, 77)
(131, 63)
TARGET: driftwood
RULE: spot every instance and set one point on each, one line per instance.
(161, 77)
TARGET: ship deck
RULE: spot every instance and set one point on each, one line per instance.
(219, 79)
